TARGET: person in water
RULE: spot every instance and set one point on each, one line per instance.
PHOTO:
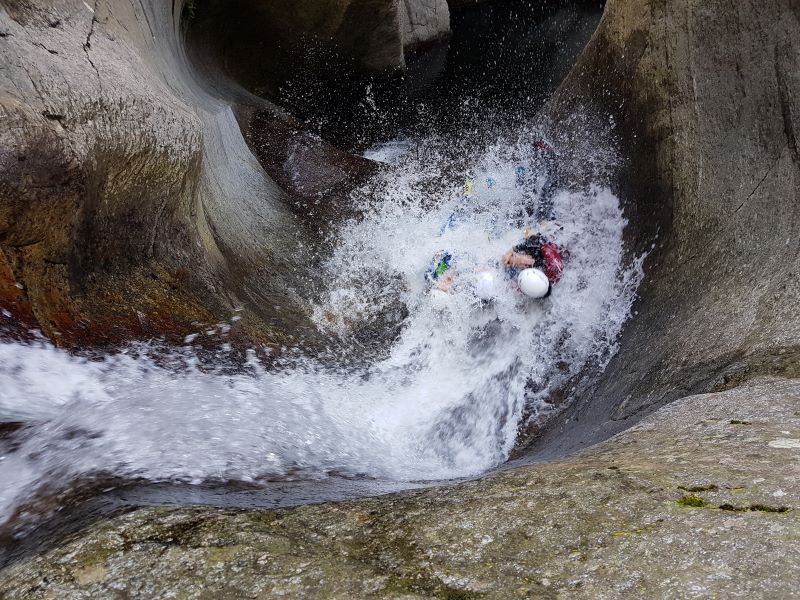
(535, 252)
(440, 272)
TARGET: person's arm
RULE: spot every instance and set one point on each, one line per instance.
(518, 261)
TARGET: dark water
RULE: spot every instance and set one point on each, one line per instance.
(503, 61)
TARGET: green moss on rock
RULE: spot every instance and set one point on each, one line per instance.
(692, 501)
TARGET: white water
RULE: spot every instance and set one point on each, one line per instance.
(443, 400)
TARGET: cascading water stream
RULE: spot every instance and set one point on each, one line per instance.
(444, 398)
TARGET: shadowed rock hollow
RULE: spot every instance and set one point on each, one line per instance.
(130, 204)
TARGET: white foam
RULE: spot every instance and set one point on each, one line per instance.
(445, 400)
(388, 152)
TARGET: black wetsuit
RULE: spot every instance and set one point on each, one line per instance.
(532, 247)
(545, 163)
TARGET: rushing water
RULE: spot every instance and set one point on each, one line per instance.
(441, 396)
(506, 57)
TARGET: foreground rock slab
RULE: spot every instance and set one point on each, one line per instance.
(700, 499)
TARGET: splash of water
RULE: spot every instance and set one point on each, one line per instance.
(444, 398)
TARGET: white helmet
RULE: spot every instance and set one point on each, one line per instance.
(533, 283)
(440, 299)
(485, 285)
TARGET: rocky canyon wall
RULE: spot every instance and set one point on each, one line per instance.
(130, 205)
(705, 99)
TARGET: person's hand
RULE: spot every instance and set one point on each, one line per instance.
(506, 258)
(523, 261)
(446, 281)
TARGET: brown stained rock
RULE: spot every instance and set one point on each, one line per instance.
(606, 523)
(130, 206)
(12, 297)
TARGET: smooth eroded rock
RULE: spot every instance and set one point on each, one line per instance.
(695, 501)
(130, 205)
(704, 102)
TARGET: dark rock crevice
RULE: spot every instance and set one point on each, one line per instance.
(87, 46)
(783, 73)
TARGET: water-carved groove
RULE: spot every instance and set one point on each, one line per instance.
(166, 223)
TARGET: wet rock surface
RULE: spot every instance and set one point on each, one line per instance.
(424, 21)
(698, 500)
(316, 176)
(130, 206)
(711, 187)
(119, 174)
